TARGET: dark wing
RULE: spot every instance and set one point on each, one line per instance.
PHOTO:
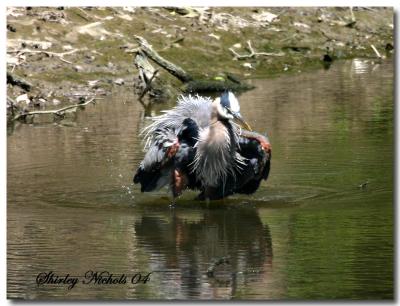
(168, 159)
(257, 149)
(155, 169)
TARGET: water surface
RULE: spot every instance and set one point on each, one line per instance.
(320, 228)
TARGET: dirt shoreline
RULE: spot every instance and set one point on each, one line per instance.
(67, 53)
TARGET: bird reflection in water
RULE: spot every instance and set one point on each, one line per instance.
(205, 253)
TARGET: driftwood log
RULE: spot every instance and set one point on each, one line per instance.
(150, 81)
(147, 74)
(175, 70)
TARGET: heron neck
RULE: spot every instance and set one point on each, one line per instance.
(215, 117)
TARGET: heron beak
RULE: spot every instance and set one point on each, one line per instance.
(241, 121)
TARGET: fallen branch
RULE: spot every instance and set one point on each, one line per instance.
(56, 112)
(15, 80)
(148, 85)
(162, 90)
(176, 71)
(163, 16)
(59, 55)
(85, 15)
(146, 82)
(253, 53)
(146, 70)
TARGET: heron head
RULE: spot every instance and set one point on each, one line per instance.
(228, 108)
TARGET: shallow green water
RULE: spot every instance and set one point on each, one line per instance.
(310, 232)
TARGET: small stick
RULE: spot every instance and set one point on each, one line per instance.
(250, 47)
(376, 52)
(59, 55)
(64, 60)
(353, 18)
(253, 53)
(80, 95)
(55, 111)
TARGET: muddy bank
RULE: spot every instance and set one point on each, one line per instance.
(69, 55)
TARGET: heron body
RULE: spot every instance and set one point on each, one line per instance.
(197, 145)
(216, 150)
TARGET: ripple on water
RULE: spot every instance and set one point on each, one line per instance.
(310, 231)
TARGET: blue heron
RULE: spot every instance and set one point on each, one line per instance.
(203, 144)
